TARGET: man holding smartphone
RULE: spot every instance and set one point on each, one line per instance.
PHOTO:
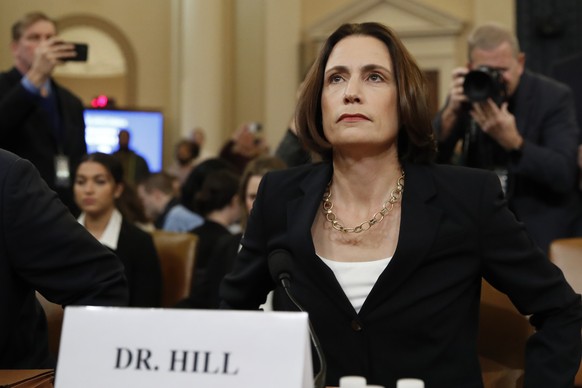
(41, 121)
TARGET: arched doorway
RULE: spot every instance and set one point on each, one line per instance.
(111, 68)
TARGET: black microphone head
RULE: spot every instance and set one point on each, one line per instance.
(280, 263)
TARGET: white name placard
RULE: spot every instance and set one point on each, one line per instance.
(133, 347)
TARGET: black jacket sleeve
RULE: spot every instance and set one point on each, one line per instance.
(50, 250)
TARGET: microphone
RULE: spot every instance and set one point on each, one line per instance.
(280, 264)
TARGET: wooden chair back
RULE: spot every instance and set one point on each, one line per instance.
(54, 317)
(503, 333)
(566, 253)
(177, 253)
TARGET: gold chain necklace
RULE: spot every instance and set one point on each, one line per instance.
(387, 206)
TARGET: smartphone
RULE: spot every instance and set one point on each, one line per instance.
(82, 50)
(255, 127)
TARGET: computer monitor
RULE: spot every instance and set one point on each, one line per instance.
(146, 129)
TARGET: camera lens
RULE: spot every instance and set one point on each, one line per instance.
(479, 86)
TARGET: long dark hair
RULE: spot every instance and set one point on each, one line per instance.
(128, 202)
(416, 140)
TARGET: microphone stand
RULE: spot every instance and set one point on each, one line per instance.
(319, 380)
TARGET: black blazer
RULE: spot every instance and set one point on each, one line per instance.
(137, 251)
(27, 131)
(43, 247)
(205, 293)
(421, 317)
(543, 181)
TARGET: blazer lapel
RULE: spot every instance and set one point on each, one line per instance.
(301, 212)
(418, 228)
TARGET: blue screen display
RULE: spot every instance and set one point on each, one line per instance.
(146, 130)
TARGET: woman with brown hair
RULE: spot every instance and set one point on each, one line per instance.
(225, 248)
(387, 250)
(108, 211)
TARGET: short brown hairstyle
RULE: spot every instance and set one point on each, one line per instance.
(416, 140)
(26, 21)
(159, 180)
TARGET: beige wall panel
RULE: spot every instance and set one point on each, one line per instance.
(84, 87)
(461, 9)
(204, 68)
(249, 61)
(282, 67)
(501, 11)
(314, 10)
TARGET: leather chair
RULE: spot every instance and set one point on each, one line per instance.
(177, 253)
(503, 333)
(177, 257)
(566, 253)
(54, 317)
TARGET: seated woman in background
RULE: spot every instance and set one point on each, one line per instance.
(226, 247)
(196, 178)
(100, 194)
(217, 201)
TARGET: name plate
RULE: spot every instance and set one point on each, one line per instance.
(133, 347)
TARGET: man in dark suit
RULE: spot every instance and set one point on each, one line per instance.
(43, 247)
(42, 121)
(530, 138)
(135, 167)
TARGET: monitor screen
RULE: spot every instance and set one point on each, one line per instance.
(146, 129)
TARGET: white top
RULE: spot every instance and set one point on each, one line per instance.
(110, 235)
(357, 278)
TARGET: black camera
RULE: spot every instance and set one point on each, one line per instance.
(483, 83)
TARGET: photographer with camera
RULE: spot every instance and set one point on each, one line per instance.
(42, 121)
(521, 125)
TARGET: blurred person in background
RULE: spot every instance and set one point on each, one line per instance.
(196, 178)
(226, 247)
(198, 137)
(218, 202)
(246, 143)
(290, 149)
(41, 120)
(185, 155)
(43, 248)
(100, 194)
(135, 167)
(157, 194)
